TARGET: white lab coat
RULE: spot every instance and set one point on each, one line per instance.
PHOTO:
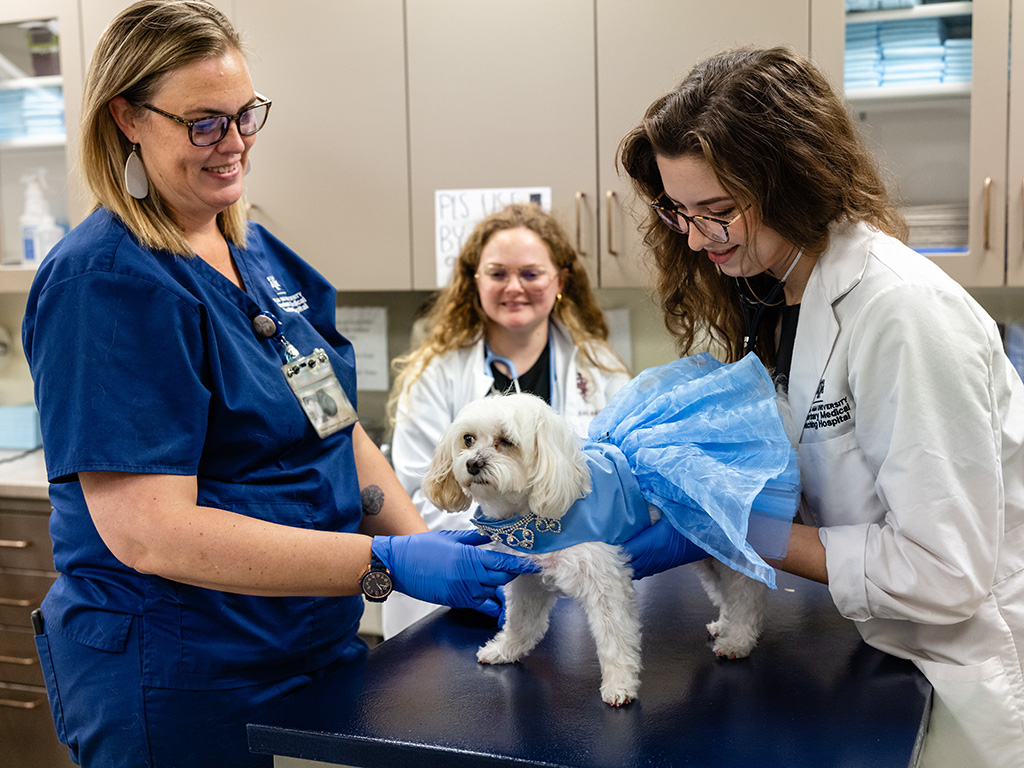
(909, 424)
(450, 382)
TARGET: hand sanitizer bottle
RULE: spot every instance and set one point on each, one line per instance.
(39, 230)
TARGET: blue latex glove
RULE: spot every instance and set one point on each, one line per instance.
(659, 548)
(447, 568)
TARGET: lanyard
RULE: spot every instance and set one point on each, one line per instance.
(490, 358)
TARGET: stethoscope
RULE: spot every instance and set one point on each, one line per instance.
(490, 359)
(751, 338)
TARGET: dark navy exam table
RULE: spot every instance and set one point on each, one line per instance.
(811, 695)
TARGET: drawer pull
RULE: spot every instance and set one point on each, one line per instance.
(21, 661)
(988, 209)
(579, 224)
(14, 544)
(610, 198)
(16, 602)
(14, 704)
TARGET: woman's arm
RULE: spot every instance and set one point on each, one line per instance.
(387, 508)
(152, 523)
(805, 556)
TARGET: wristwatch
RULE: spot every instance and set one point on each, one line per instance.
(376, 581)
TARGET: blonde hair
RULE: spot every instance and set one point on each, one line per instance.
(457, 319)
(139, 48)
(780, 140)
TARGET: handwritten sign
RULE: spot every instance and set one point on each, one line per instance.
(457, 211)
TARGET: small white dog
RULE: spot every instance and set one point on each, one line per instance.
(516, 457)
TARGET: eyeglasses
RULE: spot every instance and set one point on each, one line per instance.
(530, 278)
(207, 131)
(716, 230)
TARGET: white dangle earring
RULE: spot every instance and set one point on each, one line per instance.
(135, 180)
(248, 166)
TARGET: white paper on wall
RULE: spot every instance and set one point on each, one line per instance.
(367, 329)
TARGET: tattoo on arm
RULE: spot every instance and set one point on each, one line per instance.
(373, 500)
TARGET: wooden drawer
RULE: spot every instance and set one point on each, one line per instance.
(21, 593)
(25, 541)
(27, 735)
(19, 662)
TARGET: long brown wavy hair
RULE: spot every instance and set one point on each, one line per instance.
(780, 140)
(457, 318)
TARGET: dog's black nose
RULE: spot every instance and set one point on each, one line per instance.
(475, 466)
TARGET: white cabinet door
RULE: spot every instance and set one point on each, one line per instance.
(32, 141)
(501, 95)
(330, 171)
(945, 144)
(643, 51)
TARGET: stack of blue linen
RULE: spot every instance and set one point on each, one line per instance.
(958, 61)
(875, 5)
(912, 52)
(907, 53)
(43, 111)
(861, 66)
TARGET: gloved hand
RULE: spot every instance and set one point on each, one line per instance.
(445, 567)
(659, 548)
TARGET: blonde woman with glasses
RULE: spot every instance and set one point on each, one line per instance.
(517, 315)
(218, 514)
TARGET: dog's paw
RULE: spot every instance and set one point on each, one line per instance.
(733, 642)
(715, 628)
(618, 696)
(619, 686)
(496, 652)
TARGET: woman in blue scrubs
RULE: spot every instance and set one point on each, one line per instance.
(216, 505)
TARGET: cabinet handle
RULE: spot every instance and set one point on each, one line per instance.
(988, 208)
(15, 602)
(579, 224)
(21, 661)
(9, 544)
(609, 197)
(13, 704)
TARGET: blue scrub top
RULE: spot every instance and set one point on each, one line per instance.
(147, 362)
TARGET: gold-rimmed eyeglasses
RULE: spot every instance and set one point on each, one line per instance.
(716, 230)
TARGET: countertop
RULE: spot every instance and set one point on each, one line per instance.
(23, 475)
(811, 694)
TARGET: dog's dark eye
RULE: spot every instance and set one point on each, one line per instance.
(468, 440)
(504, 442)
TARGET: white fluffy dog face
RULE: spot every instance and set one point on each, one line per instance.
(510, 454)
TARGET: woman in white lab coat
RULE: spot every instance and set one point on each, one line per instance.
(774, 233)
(518, 314)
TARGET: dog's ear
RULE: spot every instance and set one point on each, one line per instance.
(560, 474)
(439, 484)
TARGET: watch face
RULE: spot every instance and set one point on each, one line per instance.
(377, 584)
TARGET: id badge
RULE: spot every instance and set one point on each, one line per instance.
(323, 400)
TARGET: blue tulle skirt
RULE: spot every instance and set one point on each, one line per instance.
(707, 446)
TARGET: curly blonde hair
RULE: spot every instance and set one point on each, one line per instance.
(780, 140)
(457, 319)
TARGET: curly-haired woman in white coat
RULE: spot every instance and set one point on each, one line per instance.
(772, 231)
(518, 313)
